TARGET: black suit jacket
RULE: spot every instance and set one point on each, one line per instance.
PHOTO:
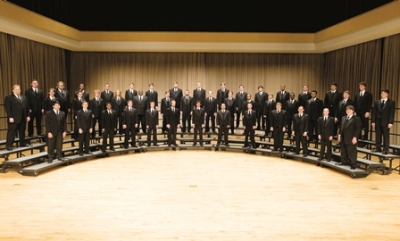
(198, 116)
(314, 109)
(118, 106)
(151, 118)
(173, 118)
(63, 100)
(282, 98)
(259, 100)
(84, 120)
(35, 100)
(129, 96)
(130, 118)
(363, 104)
(109, 121)
(186, 105)
(223, 119)
(349, 129)
(176, 95)
(326, 129)
(152, 97)
(292, 108)
(240, 98)
(210, 107)
(269, 107)
(302, 98)
(341, 110)
(278, 120)
(106, 97)
(230, 105)
(221, 96)
(331, 101)
(76, 106)
(141, 106)
(55, 124)
(300, 125)
(165, 105)
(199, 96)
(48, 103)
(17, 109)
(386, 114)
(96, 109)
(249, 120)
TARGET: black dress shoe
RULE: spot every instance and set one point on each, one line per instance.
(88, 152)
(194, 144)
(9, 149)
(50, 160)
(320, 159)
(245, 146)
(81, 154)
(201, 144)
(155, 145)
(352, 168)
(385, 152)
(112, 149)
(376, 150)
(227, 145)
(217, 145)
(26, 145)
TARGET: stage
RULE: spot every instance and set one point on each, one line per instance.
(198, 195)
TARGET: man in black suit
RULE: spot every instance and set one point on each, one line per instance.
(108, 120)
(186, 110)
(198, 115)
(16, 107)
(199, 94)
(341, 110)
(249, 125)
(152, 95)
(331, 102)
(350, 128)
(85, 94)
(165, 104)
(210, 107)
(176, 94)
(84, 122)
(173, 123)
(223, 124)
(118, 104)
(314, 109)
(106, 95)
(152, 124)
(363, 103)
(259, 100)
(282, 96)
(382, 120)
(326, 125)
(222, 93)
(96, 105)
(50, 100)
(130, 93)
(56, 130)
(77, 106)
(130, 124)
(35, 98)
(300, 129)
(292, 108)
(240, 99)
(269, 106)
(141, 104)
(278, 126)
(304, 96)
(62, 96)
(231, 107)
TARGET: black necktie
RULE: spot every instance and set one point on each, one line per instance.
(325, 120)
(382, 104)
(58, 112)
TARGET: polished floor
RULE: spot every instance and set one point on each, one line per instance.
(198, 195)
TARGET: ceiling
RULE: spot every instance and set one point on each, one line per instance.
(289, 16)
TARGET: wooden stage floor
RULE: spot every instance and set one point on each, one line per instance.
(198, 195)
